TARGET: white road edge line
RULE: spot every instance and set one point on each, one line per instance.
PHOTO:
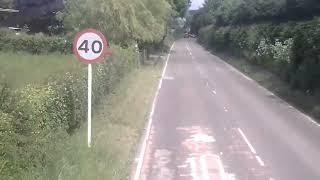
(260, 161)
(247, 141)
(250, 79)
(147, 135)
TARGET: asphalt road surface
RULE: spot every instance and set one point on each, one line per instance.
(210, 122)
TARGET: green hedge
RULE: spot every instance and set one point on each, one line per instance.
(33, 119)
(35, 44)
(290, 49)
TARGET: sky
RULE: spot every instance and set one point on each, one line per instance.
(196, 4)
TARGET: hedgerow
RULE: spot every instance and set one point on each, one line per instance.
(289, 49)
(34, 118)
(35, 44)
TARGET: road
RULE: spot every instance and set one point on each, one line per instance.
(210, 122)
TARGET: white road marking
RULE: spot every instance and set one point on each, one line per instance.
(200, 137)
(189, 50)
(162, 158)
(183, 166)
(260, 161)
(147, 135)
(204, 168)
(247, 141)
(308, 118)
(193, 168)
(231, 177)
(214, 92)
(222, 171)
(168, 78)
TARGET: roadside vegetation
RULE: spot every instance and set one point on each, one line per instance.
(43, 89)
(117, 126)
(279, 36)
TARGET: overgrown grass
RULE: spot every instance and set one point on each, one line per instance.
(20, 69)
(117, 126)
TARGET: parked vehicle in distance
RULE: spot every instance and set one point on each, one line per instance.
(192, 35)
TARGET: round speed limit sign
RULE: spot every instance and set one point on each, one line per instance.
(90, 46)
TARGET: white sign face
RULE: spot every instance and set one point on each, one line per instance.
(90, 46)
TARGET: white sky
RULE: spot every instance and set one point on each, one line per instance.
(196, 4)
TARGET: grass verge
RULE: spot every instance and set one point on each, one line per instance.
(117, 127)
(19, 69)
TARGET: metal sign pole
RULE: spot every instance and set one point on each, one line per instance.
(89, 102)
(90, 46)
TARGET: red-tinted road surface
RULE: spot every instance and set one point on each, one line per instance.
(211, 122)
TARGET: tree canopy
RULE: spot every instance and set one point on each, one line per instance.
(5, 4)
(228, 12)
(123, 20)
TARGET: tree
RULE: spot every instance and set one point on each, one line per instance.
(123, 21)
(5, 4)
(229, 12)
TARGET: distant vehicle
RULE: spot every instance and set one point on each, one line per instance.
(189, 35)
(192, 35)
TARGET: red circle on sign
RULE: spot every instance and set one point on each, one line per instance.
(105, 50)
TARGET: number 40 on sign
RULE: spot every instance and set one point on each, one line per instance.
(90, 46)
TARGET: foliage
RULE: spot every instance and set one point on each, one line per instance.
(36, 44)
(181, 6)
(5, 4)
(36, 117)
(282, 51)
(279, 51)
(122, 21)
(289, 49)
(231, 12)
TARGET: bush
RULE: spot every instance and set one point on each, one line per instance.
(35, 44)
(289, 49)
(47, 113)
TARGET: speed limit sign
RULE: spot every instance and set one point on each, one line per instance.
(90, 46)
